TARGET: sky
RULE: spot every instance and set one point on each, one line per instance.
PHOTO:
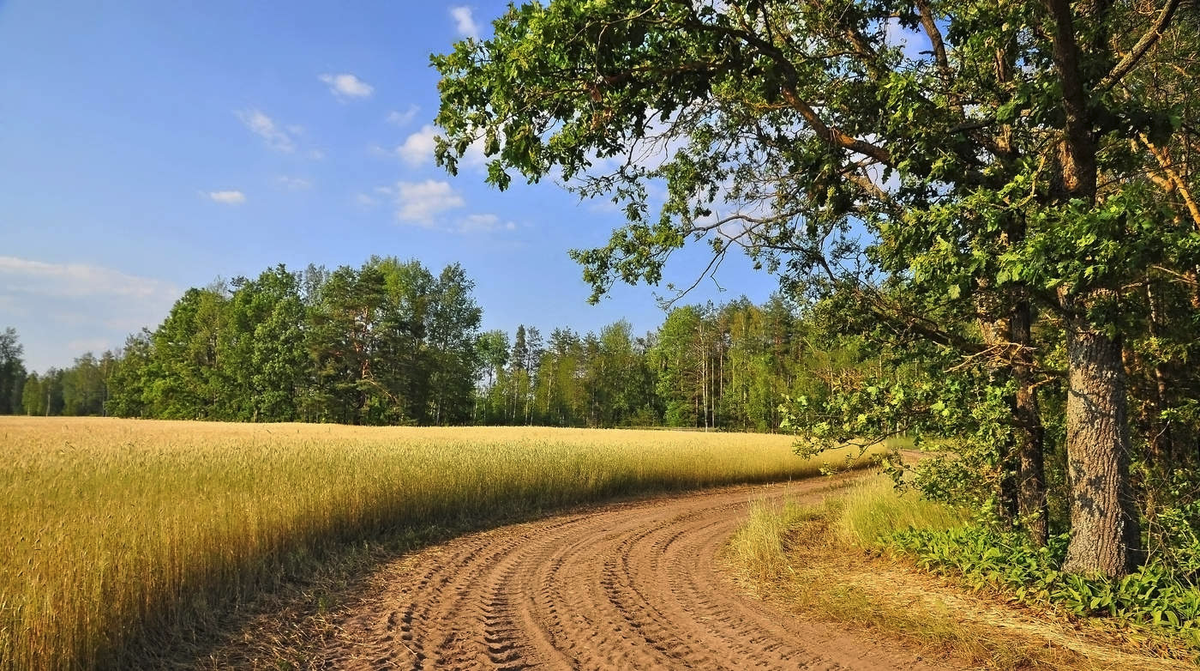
(151, 146)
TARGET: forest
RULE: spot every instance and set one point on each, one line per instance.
(390, 343)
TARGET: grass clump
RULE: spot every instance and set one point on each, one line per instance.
(760, 545)
(874, 510)
(126, 537)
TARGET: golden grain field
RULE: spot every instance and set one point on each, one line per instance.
(119, 530)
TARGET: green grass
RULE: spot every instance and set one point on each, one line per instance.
(874, 510)
(125, 537)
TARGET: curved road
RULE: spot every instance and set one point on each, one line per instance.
(626, 586)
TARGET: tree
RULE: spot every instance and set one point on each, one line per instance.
(266, 367)
(680, 360)
(344, 343)
(132, 377)
(492, 352)
(33, 401)
(405, 363)
(188, 380)
(453, 326)
(1010, 163)
(84, 387)
(12, 372)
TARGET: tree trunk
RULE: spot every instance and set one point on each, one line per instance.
(1105, 538)
(1031, 479)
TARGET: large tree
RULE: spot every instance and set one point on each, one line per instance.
(1000, 160)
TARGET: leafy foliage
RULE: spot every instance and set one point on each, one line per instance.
(985, 558)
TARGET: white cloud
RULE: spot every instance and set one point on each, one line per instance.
(293, 183)
(403, 118)
(233, 197)
(464, 21)
(347, 85)
(262, 125)
(64, 309)
(364, 200)
(417, 149)
(418, 202)
(76, 280)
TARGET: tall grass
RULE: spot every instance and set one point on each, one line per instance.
(760, 545)
(123, 534)
(873, 509)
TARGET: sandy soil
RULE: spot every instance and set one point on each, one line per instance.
(627, 586)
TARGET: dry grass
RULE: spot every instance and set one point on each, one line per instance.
(126, 535)
(821, 561)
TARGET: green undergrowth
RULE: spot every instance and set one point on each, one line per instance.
(810, 558)
(844, 560)
(1152, 596)
(943, 540)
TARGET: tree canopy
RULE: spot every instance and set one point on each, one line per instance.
(964, 173)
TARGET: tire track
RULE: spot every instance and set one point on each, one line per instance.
(626, 586)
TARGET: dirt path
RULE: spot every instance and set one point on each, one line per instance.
(628, 586)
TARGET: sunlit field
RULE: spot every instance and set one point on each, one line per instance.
(120, 532)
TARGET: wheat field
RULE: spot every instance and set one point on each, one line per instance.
(121, 531)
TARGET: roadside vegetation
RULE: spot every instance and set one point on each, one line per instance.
(863, 557)
(125, 537)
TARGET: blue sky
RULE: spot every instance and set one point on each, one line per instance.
(149, 146)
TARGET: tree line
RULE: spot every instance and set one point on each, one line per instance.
(391, 343)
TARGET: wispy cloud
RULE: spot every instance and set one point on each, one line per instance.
(417, 149)
(64, 309)
(232, 197)
(479, 223)
(76, 280)
(293, 183)
(464, 21)
(403, 118)
(346, 85)
(418, 202)
(260, 124)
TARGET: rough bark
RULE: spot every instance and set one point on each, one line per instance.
(1031, 479)
(1104, 524)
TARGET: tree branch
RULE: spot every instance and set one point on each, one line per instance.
(1143, 46)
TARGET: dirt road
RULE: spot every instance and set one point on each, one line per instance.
(628, 586)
